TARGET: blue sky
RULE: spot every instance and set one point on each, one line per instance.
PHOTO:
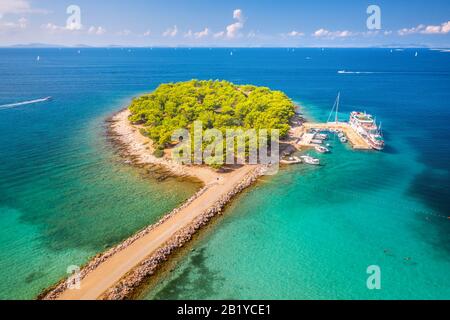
(225, 23)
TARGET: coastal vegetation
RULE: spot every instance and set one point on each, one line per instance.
(217, 104)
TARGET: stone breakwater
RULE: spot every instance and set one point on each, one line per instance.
(127, 286)
(57, 290)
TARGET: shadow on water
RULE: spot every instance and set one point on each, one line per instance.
(390, 150)
(195, 275)
(434, 190)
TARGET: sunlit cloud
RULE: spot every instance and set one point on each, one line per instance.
(324, 33)
(20, 24)
(53, 28)
(232, 30)
(171, 32)
(97, 30)
(14, 7)
(18, 7)
(201, 34)
(219, 34)
(124, 33)
(294, 33)
(251, 35)
(444, 28)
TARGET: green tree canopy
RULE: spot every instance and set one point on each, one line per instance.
(218, 104)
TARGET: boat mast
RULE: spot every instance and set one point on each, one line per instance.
(337, 106)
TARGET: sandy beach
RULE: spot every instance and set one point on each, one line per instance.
(141, 148)
(115, 273)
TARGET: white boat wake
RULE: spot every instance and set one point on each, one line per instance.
(356, 72)
(23, 103)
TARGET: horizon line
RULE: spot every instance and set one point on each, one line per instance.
(116, 46)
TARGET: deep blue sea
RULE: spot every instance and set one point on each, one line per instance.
(307, 233)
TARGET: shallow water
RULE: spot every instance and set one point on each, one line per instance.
(306, 233)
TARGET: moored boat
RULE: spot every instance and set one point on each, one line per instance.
(321, 136)
(321, 149)
(310, 160)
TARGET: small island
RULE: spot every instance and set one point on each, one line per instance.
(144, 134)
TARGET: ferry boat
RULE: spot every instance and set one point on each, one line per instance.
(365, 126)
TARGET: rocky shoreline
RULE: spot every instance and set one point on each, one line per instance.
(128, 284)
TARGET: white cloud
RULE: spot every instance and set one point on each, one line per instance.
(232, 30)
(17, 25)
(219, 34)
(124, 33)
(407, 31)
(237, 14)
(70, 27)
(444, 28)
(251, 34)
(147, 33)
(324, 33)
(18, 7)
(97, 30)
(171, 32)
(294, 33)
(201, 34)
(53, 27)
(14, 7)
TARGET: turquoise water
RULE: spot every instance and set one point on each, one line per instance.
(306, 233)
(311, 233)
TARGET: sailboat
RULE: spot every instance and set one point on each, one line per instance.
(38, 58)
